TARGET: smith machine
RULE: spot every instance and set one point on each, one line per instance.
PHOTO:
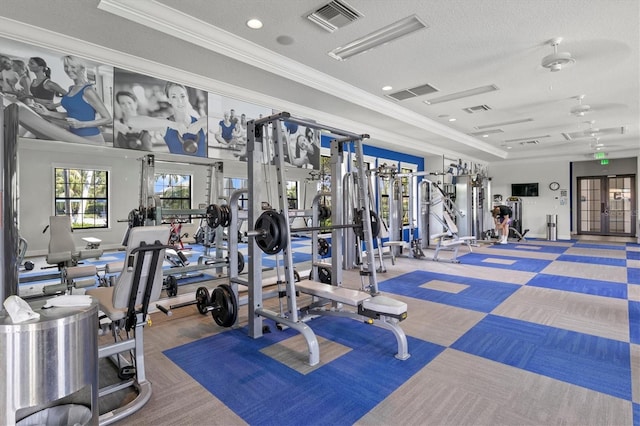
(272, 234)
(213, 218)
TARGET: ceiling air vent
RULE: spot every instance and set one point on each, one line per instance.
(487, 132)
(530, 142)
(425, 89)
(478, 108)
(334, 15)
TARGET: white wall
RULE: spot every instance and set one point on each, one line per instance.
(38, 158)
(536, 209)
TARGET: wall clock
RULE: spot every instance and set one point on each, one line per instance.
(554, 186)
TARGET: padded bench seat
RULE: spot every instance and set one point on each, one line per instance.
(386, 305)
(332, 292)
(380, 304)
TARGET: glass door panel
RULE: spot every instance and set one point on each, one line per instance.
(605, 205)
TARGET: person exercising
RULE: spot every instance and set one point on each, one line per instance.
(502, 217)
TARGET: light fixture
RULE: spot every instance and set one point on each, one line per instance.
(557, 60)
(463, 94)
(452, 119)
(387, 88)
(580, 110)
(254, 24)
(485, 136)
(377, 38)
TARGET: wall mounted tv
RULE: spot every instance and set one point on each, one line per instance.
(524, 189)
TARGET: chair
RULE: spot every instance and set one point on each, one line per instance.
(126, 304)
(62, 249)
(449, 239)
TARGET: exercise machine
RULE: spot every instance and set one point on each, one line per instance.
(271, 234)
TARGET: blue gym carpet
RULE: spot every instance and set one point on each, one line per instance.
(501, 304)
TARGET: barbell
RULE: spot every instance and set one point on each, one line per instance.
(270, 229)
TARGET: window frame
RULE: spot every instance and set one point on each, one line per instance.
(69, 202)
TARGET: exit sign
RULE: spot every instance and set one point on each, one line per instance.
(599, 155)
(604, 162)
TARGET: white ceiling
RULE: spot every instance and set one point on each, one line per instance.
(468, 44)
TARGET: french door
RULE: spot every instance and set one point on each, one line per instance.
(606, 205)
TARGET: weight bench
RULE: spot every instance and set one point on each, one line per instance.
(379, 310)
(450, 240)
(126, 304)
(392, 248)
(62, 248)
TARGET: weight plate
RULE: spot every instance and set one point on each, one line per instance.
(214, 215)
(324, 274)
(202, 300)
(375, 224)
(240, 262)
(323, 247)
(172, 286)
(272, 238)
(226, 216)
(225, 310)
(296, 276)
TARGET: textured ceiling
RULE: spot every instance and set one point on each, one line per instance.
(467, 44)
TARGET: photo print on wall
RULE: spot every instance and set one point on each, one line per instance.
(301, 145)
(228, 126)
(158, 115)
(60, 97)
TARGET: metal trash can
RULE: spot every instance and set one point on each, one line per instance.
(552, 227)
(59, 415)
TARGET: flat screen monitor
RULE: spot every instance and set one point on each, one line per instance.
(524, 189)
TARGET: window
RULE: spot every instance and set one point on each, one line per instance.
(292, 194)
(232, 184)
(82, 194)
(406, 189)
(174, 191)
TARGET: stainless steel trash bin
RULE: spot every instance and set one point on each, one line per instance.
(59, 415)
(552, 227)
(45, 360)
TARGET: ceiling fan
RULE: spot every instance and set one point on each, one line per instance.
(557, 60)
(593, 132)
(580, 109)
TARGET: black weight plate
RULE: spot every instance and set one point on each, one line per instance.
(324, 274)
(234, 303)
(323, 247)
(213, 216)
(203, 300)
(225, 310)
(172, 286)
(272, 232)
(284, 230)
(296, 276)
(227, 216)
(375, 224)
(240, 262)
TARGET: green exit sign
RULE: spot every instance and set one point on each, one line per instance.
(599, 155)
(604, 162)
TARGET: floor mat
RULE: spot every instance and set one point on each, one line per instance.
(232, 367)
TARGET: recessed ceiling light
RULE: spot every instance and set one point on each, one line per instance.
(387, 88)
(254, 24)
(452, 119)
(485, 136)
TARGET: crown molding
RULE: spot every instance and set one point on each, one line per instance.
(162, 18)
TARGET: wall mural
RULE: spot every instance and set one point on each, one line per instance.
(228, 126)
(71, 99)
(158, 115)
(61, 97)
